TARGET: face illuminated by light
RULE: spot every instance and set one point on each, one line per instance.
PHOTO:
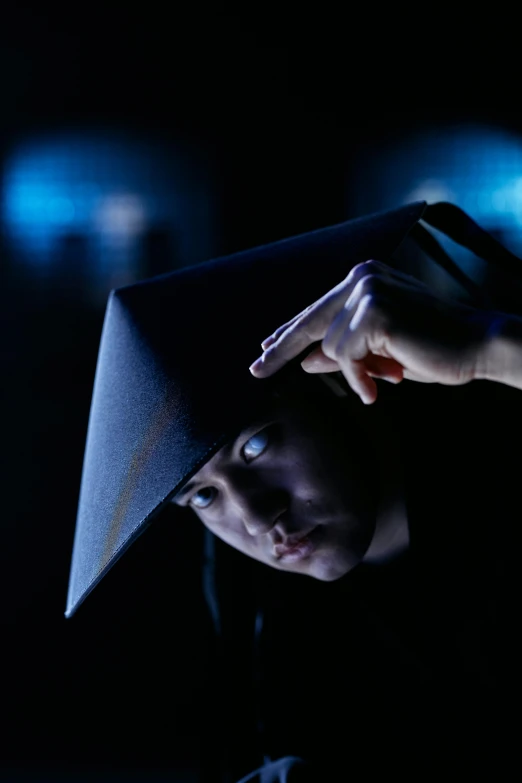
(297, 471)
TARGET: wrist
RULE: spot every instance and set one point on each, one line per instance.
(500, 354)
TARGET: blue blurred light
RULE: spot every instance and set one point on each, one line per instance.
(479, 168)
(108, 188)
(61, 211)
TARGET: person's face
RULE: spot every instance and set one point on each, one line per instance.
(287, 476)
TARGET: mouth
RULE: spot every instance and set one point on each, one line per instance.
(300, 550)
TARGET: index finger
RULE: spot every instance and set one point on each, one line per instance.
(268, 341)
(309, 327)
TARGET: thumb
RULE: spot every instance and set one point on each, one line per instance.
(383, 367)
(376, 366)
(316, 361)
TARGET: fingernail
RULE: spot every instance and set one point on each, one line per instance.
(256, 365)
(311, 366)
(267, 342)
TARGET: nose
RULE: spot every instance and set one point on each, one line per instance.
(258, 503)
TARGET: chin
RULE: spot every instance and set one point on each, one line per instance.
(331, 571)
(328, 577)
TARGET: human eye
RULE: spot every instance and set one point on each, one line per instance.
(202, 502)
(256, 445)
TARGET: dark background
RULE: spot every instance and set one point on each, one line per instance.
(280, 125)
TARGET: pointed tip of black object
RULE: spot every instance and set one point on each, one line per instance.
(172, 381)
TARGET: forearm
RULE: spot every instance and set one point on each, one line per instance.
(501, 357)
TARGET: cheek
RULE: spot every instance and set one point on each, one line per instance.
(350, 475)
(320, 475)
(230, 534)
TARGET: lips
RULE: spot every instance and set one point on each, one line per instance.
(295, 548)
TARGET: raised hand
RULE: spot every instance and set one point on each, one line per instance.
(382, 323)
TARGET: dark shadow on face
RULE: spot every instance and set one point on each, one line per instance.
(304, 468)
